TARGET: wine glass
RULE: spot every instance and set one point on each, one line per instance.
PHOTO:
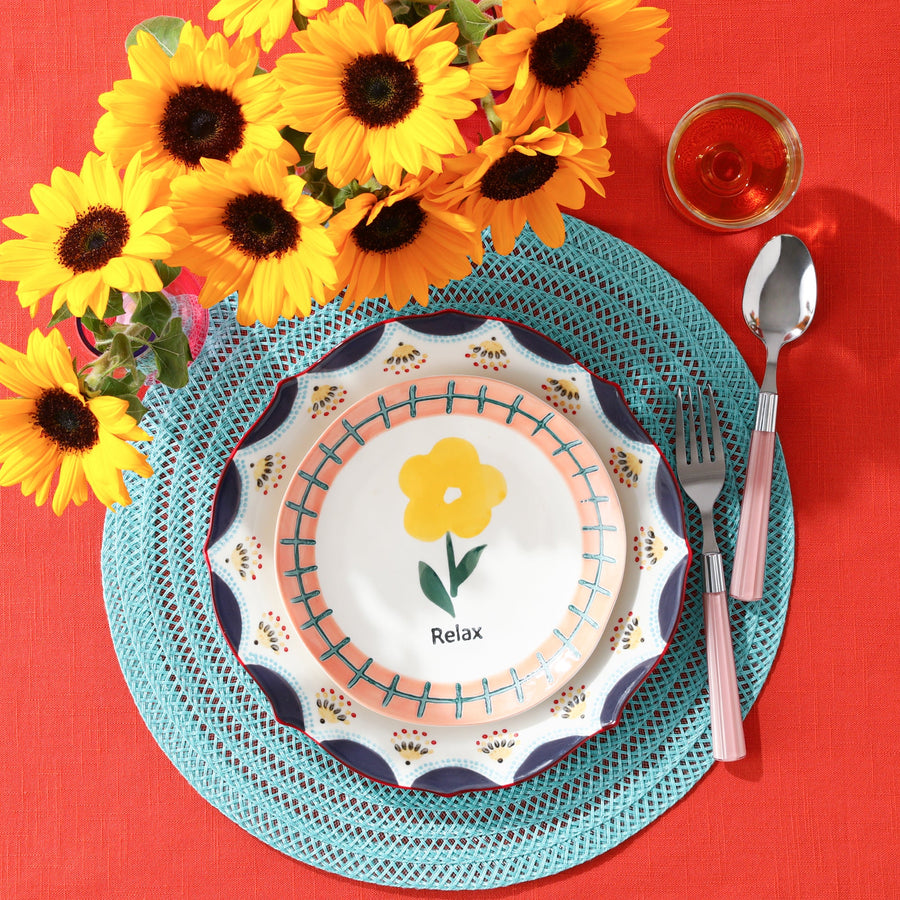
(733, 161)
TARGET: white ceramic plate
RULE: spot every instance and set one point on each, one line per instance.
(445, 758)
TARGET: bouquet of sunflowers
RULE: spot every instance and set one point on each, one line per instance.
(341, 173)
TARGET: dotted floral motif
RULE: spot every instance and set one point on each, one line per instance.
(324, 400)
(626, 633)
(412, 744)
(648, 547)
(272, 634)
(571, 703)
(489, 355)
(246, 558)
(498, 745)
(405, 358)
(562, 394)
(268, 471)
(333, 708)
(626, 465)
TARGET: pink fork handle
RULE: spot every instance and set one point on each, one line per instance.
(724, 701)
(753, 531)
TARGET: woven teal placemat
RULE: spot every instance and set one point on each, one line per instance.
(623, 317)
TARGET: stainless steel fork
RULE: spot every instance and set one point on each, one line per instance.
(702, 476)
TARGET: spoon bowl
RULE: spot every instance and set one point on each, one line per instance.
(780, 297)
(779, 304)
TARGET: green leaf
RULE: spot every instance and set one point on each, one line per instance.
(166, 30)
(459, 573)
(127, 389)
(167, 273)
(472, 23)
(434, 589)
(60, 315)
(152, 310)
(120, 353)
(172, 353)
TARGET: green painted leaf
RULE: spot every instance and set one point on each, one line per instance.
(434, 589)
(466, 566)
(166, 30)
(172, 353)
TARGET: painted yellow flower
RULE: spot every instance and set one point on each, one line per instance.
(91, 232)
(509, 180)
(271, 19)
(51, 426)
(254, 231)
(569, 57)
(204, 102)
(401, 244)
(376, 97)
(449, 490)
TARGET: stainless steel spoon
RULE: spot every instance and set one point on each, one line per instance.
(779, 303)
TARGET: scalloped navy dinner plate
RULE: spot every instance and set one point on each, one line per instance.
(460, 721)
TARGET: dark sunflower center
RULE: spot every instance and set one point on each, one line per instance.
(517, 175)
(66, 421)
(201, 121)
(394, 227)
(380, 90)
(560, 56)
(259, 226)
(98, 235)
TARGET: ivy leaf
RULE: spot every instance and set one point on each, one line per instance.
(152, 310)
(434, 589)
(60, 315)
(472, 23)
(166, 30)
(172, 353)
(167, 273)
(126, 388)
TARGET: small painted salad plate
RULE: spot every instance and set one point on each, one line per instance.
(450, 550)
(425, 580)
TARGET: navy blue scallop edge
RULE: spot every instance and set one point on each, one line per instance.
(281, 695)
(275, 414)
(668, 496)
(350, 351)
(226, 505)
(548, 754)
(360, 758)
(453, 780)
(227, 610)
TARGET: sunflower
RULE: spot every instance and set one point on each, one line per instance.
(204, 102)
(569, 57)
(399, 244)
(52, 426)
(270, 18)
(91, 232)
(376, 97)
(509, 180)
(254, 231)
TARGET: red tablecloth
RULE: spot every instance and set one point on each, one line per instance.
(90, 805)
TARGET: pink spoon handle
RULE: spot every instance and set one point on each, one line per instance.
(724, 701)
(753, 529)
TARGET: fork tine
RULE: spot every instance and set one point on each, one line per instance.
(695, 458)
(704, 439)
(680, 453)
(714, 419)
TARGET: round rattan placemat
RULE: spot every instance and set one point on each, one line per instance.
(623, 317)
